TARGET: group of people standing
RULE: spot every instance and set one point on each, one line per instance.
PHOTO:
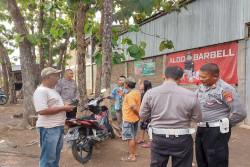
(165, 112)
(168, 110)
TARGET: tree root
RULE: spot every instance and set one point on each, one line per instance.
(11, 153)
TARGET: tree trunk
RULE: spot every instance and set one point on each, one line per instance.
(63, 66)
(11, 86)
(5, 74)
(99, 68)
(81, 51)
(1, 83)
(107, 43)
(40, 30)
(62, 51)
(28, 76)
(50, 61)
(33, 48)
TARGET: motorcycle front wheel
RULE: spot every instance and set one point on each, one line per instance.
(82, 151)
(3, 100)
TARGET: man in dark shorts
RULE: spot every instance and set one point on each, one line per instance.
(130, 112)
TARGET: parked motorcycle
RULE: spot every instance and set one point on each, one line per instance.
(3, 98)
(87, 131)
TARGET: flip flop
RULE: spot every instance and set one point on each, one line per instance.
(127, 159)
(140, 141)
(129, 153)
(146, 145)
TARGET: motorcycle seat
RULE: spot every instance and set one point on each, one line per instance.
(87, 118)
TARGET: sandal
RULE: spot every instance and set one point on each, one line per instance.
(129, 153)
(146, 145)
(140, 141)
(127, 159)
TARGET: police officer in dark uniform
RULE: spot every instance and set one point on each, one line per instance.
(218, 99)
(171, 109)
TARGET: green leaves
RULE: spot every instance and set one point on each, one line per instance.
(116, 58)
(172, 6)
(54, 32)
(134, 28)
(143, 44)
(56, 23)
(114, 43)
(166, 44)
(127, 41)
(32, 39)
(98, 58)
(136, 51)
(87, 1)
(49, 6)
(19, 37)
(73, 45)
(88, 28)
(133, 49)
(142, 5)
(57, 32)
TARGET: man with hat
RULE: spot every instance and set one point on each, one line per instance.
(171, 109)
(51, 118)
(130, 115)
(218, 99)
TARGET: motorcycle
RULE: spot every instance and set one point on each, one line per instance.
(87, 131)
(3, 98)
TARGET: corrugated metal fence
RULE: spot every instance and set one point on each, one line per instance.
(206, 22)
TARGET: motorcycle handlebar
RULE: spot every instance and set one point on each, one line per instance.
(86, 107)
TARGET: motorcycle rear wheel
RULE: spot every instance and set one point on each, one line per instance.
(78, 151)
(3, 100)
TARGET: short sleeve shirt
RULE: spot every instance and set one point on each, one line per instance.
(45, 98)
(132, 99)
(68, 90)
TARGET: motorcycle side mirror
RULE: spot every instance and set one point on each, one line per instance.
(103, 90)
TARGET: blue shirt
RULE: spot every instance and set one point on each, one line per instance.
(118, 99)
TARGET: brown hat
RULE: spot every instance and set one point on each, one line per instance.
(49, 70)
(130, 81)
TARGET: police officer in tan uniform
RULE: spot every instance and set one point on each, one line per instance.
(218, 99)
(171, 109)
(68, 90)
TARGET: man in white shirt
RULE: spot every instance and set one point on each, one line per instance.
(51, 118)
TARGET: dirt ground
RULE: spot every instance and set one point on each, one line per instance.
(19, 147)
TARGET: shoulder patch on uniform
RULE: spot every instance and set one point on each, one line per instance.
(229, 96)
